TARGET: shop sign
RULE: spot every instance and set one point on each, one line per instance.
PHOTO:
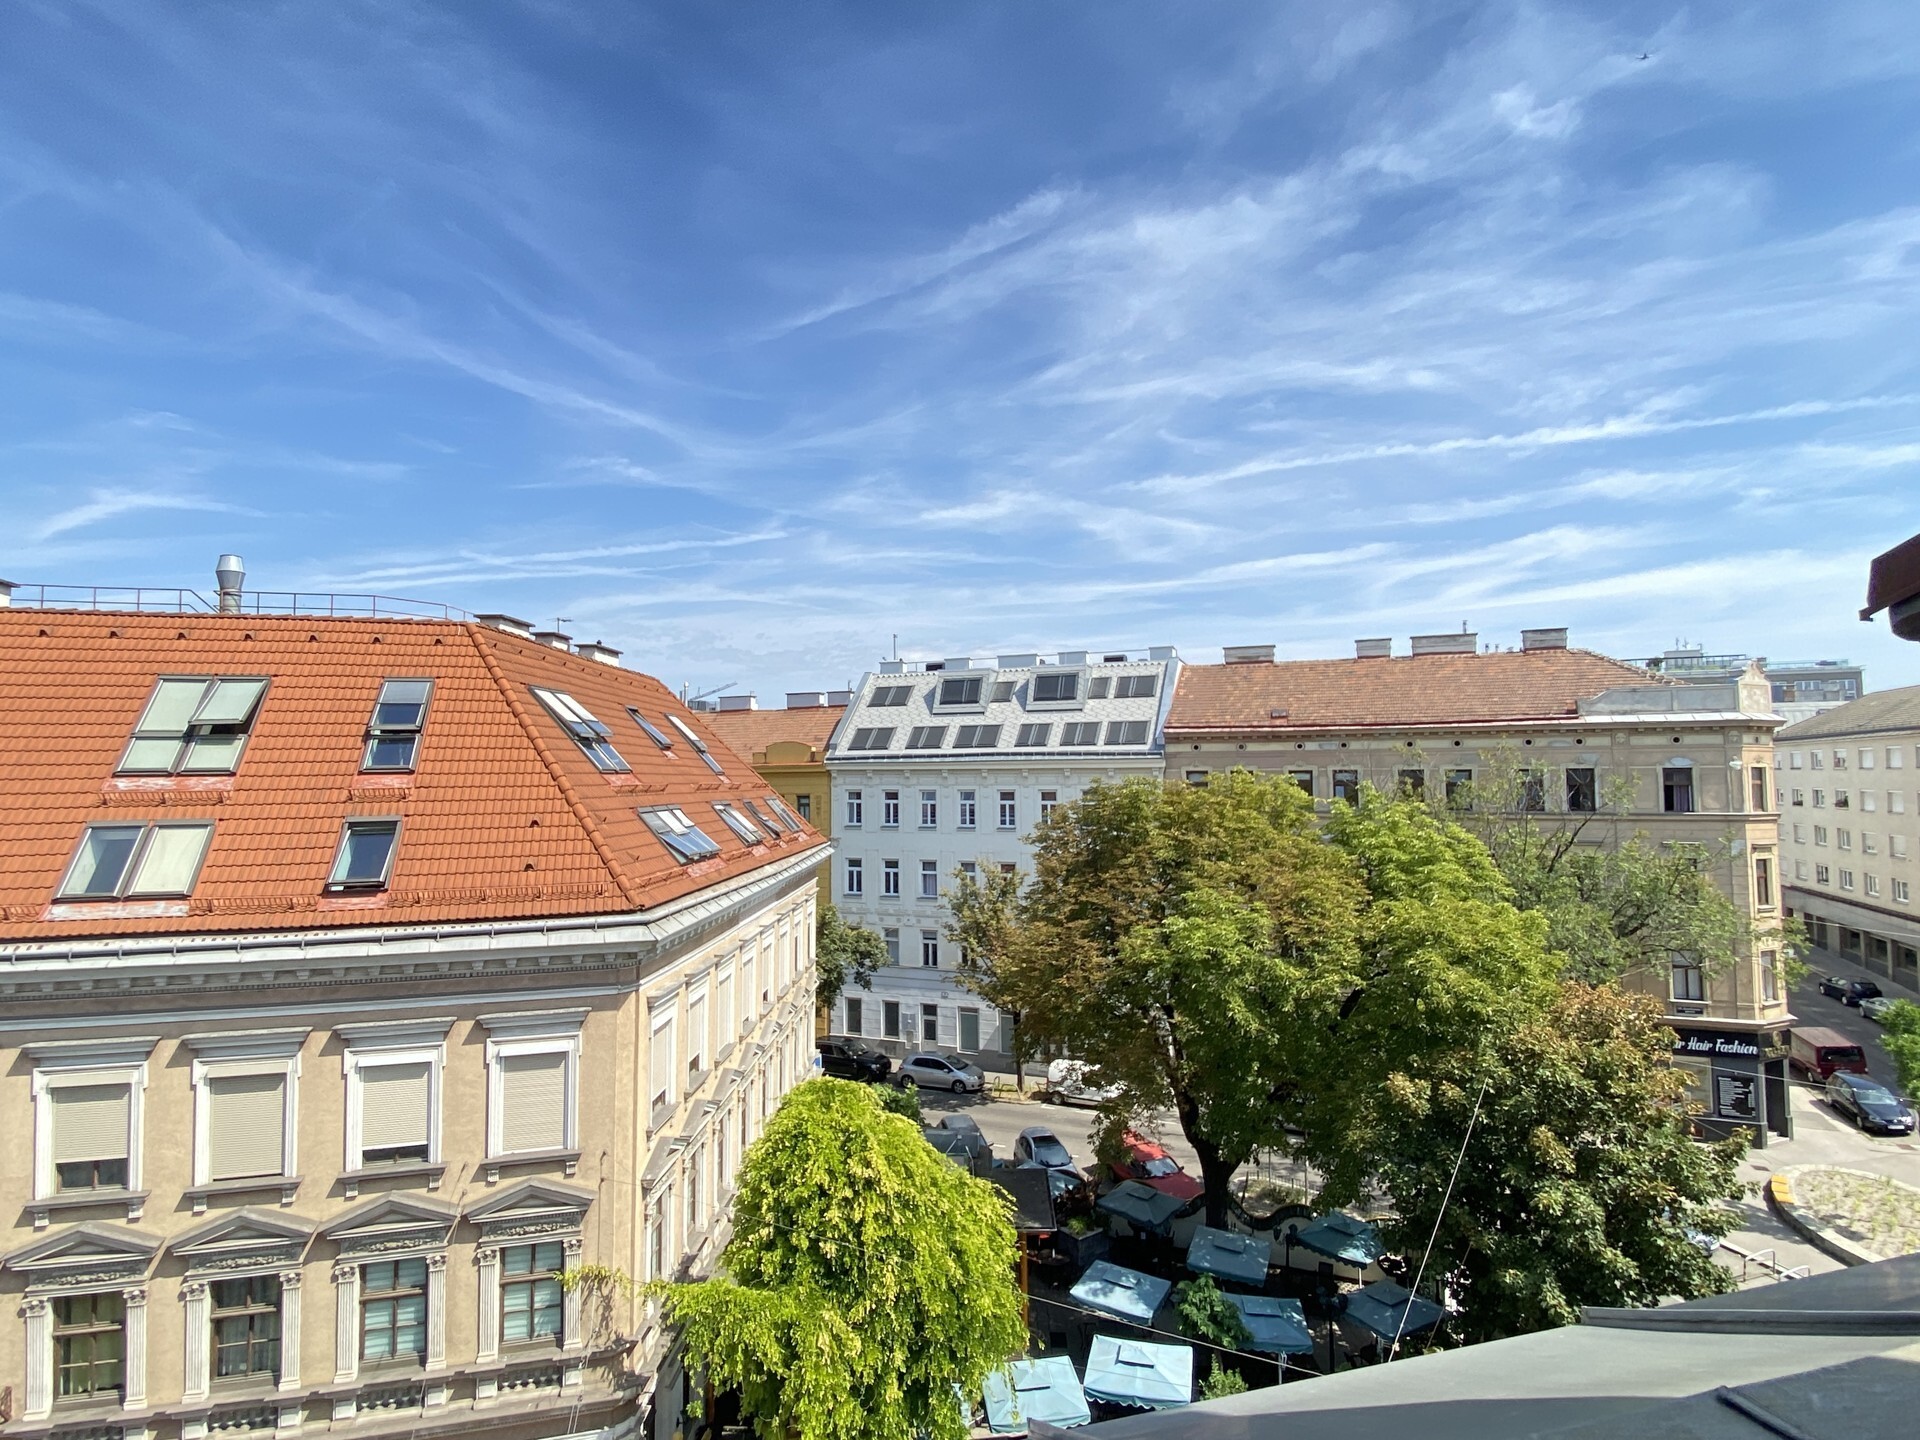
(1711, 1043)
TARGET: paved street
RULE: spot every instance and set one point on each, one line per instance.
(1003, 1120)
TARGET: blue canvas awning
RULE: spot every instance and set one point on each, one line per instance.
(1132, 1372)
(1139, 1205)
(1122, 1293)
(1277, 1326)
(1388, 1310)
(1338, 1236)
(1241, 1258)
(1027, 1390)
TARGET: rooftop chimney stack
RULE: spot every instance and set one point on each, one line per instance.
(230, 572)
(1465, 643)
(554, 639)
(1379, 649)
(740, 702)
(6, 593)
(806, 699)
(594, 650)
(1553, 639)
(1248, 654)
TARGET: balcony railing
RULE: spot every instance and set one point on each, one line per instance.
(169, 601)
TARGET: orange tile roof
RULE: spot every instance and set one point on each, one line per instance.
(503, 816)
(1497, 687)
(749, 732)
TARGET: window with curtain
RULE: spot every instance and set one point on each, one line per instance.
(246, 1328)
(393, 1310)
(531, 1304)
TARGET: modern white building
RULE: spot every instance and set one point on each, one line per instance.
(945, 765)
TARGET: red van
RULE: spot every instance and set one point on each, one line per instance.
(1820, 1052)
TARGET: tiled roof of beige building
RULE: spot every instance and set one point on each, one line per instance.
(749, 732)
(1496, 687)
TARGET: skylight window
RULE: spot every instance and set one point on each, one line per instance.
(1033, 735)
(365, 858)
(1126, 732)
(1002, 691)
(699, 745)
(578, 721)
(779, 808)
(769, 823)
(872, 738)
(653, 732)
(1098, 687)
(393, 735)
(1080, 732)
(961, 690)
(684, 840)
(194, 725)
(1133, 687)
(927, 737)
(121, 861)
(891, 694)
(976, 737)
(1056, 686)
(739, 824)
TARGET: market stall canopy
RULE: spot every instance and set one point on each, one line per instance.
(1032, 1197)
(1132, 1372)
(1045, 1389)
(1338, 1236)
(1140, 1205)
(1276, 1325)
(1122, 1293)
(1389, 1311)
(1241, 1258)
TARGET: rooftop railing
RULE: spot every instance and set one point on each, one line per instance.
(170, 601)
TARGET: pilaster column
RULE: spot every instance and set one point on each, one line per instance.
(486, 1262)
(39, 1389)
(290, 1329)
(134, 1396)
(196, 1312)
(436, 1311)
(572, 1336)
(346, 1324)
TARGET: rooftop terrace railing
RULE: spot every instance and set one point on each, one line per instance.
(172, 601)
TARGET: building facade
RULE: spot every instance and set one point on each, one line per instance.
(1695, 764)
(942, 767)
(357, 978)
(1850, 832)
(789, 749)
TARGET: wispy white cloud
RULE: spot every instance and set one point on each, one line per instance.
(103, 505)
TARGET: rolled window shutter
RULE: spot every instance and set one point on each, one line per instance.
(393, 1105)
(533, 1101)
(90, 1122)
(246, 1126)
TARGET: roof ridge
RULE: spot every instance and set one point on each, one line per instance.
(574, 802)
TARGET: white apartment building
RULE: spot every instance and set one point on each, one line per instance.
(1850, 831)
(940, 767)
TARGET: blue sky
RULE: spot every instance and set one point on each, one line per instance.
(749, 336)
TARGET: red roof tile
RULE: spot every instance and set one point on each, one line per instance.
(503, 817)
(1497, 687)
(749, 732)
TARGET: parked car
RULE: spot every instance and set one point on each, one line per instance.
(1150, 1164)
(1869, 1104)
(1875, 1007)
(968, 1129)
(1067, 1084)
(1848, 992)
(1818, 1051)
(943, 1072)
(1038, 1145)
(850, 1060)
(961, 1141)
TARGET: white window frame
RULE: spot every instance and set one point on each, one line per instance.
(1008, 802)
(553, 1032)
(929, 871)
(407, 1042)
(237, 1054)
(59, 1064)
(665, 1017)
(929, 809)
(854, 878)
(856, 810)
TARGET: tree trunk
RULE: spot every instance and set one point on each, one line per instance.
(1216, 1171)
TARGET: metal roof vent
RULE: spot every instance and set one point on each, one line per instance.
(1377, 649)
(1248, 654)
(230, 573)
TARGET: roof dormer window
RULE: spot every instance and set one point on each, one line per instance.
(587, 732)
(1055, 687)
(393, 735)
(194, 725)
(684, 840)
(957, 690)
(891, 694)
(927, 737)
(1133, 687)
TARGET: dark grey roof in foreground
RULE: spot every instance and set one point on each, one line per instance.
(1835, 1357)
(1869, 715)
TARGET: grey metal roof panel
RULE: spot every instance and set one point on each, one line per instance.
(1871, 714)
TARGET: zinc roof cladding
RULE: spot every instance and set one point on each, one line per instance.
(1495, 687)
(503, 816)
(1882, 710)
(1009, 715)
(749, 732)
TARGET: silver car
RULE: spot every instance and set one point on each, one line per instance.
(943, 1072)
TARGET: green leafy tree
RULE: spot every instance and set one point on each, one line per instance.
(1206, 1314)
(866, 1278)
(1580, 1184)
(1902, 1042)
(900, 1100)
(843, 955)
(984, 920)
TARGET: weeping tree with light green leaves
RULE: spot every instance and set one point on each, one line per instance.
(867, 1278)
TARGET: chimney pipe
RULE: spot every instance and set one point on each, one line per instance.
(7, 588)
(231, 573)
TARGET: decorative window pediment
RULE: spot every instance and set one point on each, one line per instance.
(243, 1239)
(89, 1254)
(392, 1223)
(532, 1207)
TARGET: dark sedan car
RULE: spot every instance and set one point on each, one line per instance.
(1869, 1104)
(850, 1060)
(1848, 992)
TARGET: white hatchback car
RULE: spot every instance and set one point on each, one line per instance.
(1067, 1084)
(943, 1072)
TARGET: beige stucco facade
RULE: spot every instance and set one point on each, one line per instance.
(705, 1001)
